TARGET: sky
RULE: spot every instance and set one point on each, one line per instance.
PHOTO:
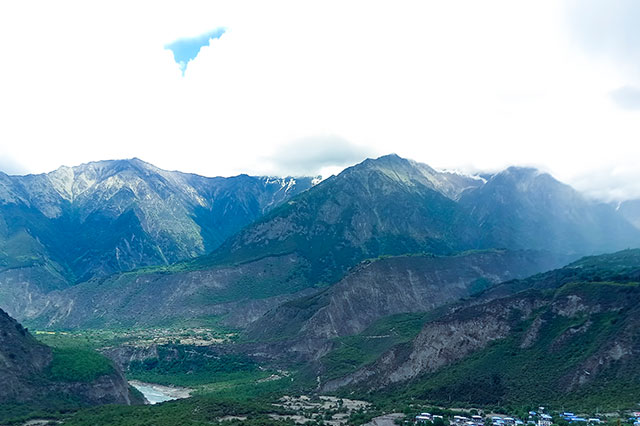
(308, 88)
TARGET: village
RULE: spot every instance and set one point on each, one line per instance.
(535, 418)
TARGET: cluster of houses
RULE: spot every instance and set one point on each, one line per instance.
(534, 419)
(539, 418)
(476, 420)
(423, 418)
(505, 421)
(572, 418)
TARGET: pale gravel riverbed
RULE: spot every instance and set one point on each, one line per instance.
(155, 393)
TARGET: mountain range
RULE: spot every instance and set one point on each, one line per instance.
(390, 279)
(112, 216)
(66, 231)
(78, 223)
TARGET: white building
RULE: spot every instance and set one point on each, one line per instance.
(545, 420)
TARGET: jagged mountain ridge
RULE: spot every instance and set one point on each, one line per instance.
(388, 205)
(391, 205)
(384, 206)
(111, 216)
(383, 188)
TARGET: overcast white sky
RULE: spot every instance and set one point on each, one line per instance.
(309, 87)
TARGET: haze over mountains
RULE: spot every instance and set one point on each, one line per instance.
(271, 238)
(630, 209)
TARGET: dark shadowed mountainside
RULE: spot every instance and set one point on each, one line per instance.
(33, 373)
(522, 208)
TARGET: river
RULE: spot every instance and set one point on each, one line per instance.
(155, 393)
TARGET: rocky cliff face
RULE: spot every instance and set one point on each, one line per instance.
(21, 292)
(551, 344)
(441, 343)
(21, 356)
(390, 286)
(23, 373)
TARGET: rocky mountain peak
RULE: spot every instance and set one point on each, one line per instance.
(520, 181)
(414, 174)
(522, 177)
(115, 215)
